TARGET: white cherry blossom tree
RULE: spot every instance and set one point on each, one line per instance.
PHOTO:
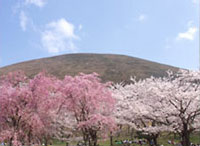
(154, 105)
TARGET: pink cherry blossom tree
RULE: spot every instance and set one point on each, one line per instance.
(45, 91)
(13, 78)
(90, 103)
(25, 112)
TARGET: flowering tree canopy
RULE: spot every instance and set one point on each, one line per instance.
(24, 107)
(131, 109)
(42, 107)
(169, 103)
(90, 103)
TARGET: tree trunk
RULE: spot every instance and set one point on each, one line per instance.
(85, 138)
(175, 136)
(152, 140)
(111, 139)
(46, 141)
(155, 141)
(29, 138)
(93, 135)
(89, 141)
(10, 141)
(128, 130)
(119, 131)
(186, 139)
(132, 132)
(149, 141)
(185, 136)
(95, 142)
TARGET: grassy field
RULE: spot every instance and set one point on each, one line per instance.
(162, 140)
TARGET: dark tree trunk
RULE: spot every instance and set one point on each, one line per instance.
(111, 139)
(10, 141)
(46, 141)
(175, 136)
(85, 137)
(89, 141)
(155, 141)
(186, 139)
(152, 139)
(95, 142)
(29, 138)
(149, 141)
(93, 136)
(185, 135)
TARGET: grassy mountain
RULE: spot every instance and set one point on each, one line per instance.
(115, 68)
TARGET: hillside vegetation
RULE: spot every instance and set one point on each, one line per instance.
(114, 68)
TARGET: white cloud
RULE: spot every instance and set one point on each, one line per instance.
(142, 17)
(23, 20)
(188, 35)
(20, 8)
(26, 22)
(39, 3)
(58, 36)
(80, 27)
(195, 1)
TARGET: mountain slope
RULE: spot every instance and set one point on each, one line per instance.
(114, 68)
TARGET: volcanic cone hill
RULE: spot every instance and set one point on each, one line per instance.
(114, 68)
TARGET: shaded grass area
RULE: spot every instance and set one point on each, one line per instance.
(162, 140)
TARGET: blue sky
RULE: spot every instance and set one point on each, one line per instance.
(164, 31)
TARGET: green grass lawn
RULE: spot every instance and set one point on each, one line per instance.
(162, 140)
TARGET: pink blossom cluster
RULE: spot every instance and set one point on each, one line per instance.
(43, 107)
